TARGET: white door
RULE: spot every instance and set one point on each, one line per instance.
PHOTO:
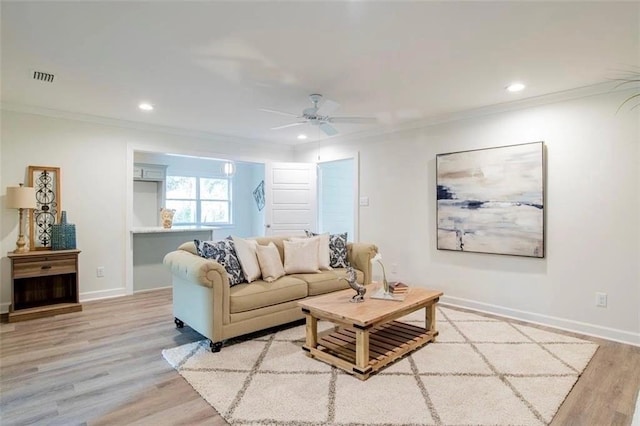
(290, 198)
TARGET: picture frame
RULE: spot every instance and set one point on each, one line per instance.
(492, 200)
(258, 195)
(46, 182)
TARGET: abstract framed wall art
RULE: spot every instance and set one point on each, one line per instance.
(492, 200)
(46, 181)
(258, 195)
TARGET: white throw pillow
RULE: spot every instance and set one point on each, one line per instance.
(301, 256)
(324, 252)
(246, 251)
(270, 262)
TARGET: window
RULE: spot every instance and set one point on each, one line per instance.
(199, 200)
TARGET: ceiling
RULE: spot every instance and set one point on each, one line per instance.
(210, 66)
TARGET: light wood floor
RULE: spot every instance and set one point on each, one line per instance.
(103, 366)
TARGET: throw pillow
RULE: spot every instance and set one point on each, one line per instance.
(337, 249)
(246, 251)
(223, 252)
(324, 255)
(270, 262)
(301, 256)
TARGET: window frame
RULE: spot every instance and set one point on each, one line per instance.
(198, 200)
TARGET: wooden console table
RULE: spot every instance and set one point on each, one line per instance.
(43, 283)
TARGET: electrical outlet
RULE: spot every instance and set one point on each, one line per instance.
(100, 271)
(601, 300)
(394, 268)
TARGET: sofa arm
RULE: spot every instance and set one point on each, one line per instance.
(359, 256)
(190, 267)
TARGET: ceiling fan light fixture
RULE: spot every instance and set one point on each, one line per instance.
(145, 106)
(320, 115)
(515, 87)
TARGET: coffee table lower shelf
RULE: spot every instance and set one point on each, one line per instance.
(387, 343)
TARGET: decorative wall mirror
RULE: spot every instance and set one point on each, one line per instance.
(46, 181)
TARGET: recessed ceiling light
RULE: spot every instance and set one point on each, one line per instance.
(302, 137)
(145, 106)
(515, 87)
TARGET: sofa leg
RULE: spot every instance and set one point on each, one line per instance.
(179, 323)
(215, 346)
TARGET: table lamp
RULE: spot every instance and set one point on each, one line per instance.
(21, 198)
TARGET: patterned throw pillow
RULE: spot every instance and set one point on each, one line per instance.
(223, 252)
(337, 249)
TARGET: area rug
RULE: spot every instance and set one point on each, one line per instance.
(481, 371)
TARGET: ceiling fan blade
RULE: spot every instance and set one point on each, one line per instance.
(328, 107)
(279, 112)
(288, 125)
(357, 120)
(328, 129)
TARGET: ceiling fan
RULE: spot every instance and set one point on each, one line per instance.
(319, 115)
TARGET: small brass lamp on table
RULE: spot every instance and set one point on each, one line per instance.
(21, 198)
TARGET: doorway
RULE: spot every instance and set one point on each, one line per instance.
(337, 196)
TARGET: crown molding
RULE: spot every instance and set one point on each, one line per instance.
(580, 92)
(176, 131)
(547, 99)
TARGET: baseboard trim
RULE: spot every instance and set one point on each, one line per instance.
(102, 294)
(613, 334)
(147, 290)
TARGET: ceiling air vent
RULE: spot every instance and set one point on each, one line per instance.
(43, 76)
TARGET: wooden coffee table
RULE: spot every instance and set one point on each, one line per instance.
(367, 337)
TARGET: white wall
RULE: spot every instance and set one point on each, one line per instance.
(592, 213)
(96, 162)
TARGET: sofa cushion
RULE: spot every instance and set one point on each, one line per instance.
(246, 251)
(258, 294)
(337, 249)
(301, 256)
(327, 281)
(224, 253)
(270, 262)
(324, 256)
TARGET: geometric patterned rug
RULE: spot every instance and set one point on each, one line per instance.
(480, 371)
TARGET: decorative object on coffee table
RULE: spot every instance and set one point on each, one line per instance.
(63, 234)
(46, 182)
(384, 292)
(360, 289)
(21, 198)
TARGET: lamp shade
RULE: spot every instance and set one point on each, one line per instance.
(21, 197)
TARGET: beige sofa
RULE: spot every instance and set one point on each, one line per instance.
(203, 299)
